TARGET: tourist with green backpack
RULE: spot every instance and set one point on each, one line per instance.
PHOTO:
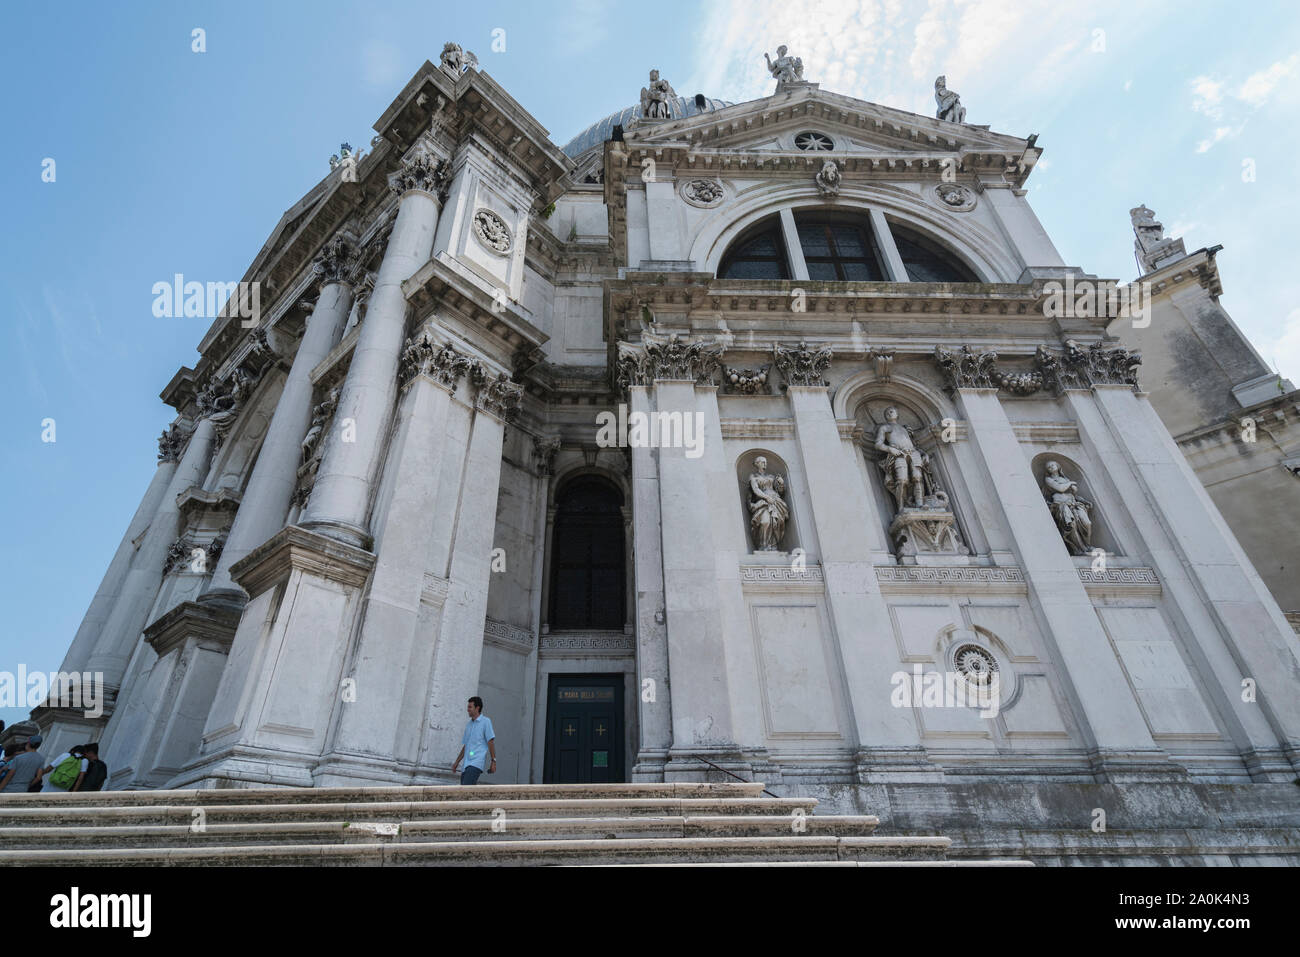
(65, 772)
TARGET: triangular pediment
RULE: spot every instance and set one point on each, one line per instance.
(852, 125)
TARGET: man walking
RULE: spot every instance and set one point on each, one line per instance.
(476, 743)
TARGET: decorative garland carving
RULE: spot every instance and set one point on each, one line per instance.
(745, 381)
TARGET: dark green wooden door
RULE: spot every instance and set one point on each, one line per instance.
(584, 730)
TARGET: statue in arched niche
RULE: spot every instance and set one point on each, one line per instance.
(907, 469)
(768, 511)
(1073, 515)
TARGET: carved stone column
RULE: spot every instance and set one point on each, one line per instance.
(63, 725)
(266, 500)
(1100, 698)
(379, 727)
(655, 716)
(341, 495)
(459, 650)
(888, 741)
(122, 629)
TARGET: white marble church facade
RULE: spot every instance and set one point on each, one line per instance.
(393, 491)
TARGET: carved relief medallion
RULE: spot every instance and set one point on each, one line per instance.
(955, 197)
(491, 230)
(703, 192)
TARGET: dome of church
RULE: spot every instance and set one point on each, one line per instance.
(601, 130)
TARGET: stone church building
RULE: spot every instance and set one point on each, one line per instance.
(772, 438)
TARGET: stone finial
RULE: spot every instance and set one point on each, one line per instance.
(422, 169)
(657, 98)
(1150, 245)
(171, 444)
(828, 179)
(802, 365)
(456, 60)
(786, 70)
(950, 107)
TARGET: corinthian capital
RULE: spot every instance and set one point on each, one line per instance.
(802, 366)
(666, 358)
(422, 169)
(437, 361)
(966, 369)
(500, 397)
(337, 262)
(171, 444)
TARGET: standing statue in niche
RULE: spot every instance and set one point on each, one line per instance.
(1073, 515)
(950, 107)
(768, 511)
(907, 468)
(655, 99)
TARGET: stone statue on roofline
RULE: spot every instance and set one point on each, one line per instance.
(1150, 245)
(950, 107)
(656, 99)
(785, 69)
(455, 59)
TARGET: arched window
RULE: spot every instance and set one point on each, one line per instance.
(587, 557)
(759, 254)
(838, 250)
(925, 260)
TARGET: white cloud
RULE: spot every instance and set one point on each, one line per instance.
(1220, 133)
(1259, 86)
(1207, 96)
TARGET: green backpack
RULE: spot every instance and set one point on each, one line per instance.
(65, 775)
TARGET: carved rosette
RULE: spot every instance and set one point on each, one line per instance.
(439, 362)
(337, 262)
(422, 170)
(171, 444)
(977, 665)
(802, 365)
(965, 369)
(1079, 368)
(745, 381)
(500, 397)
(657, 358)
(705, 193)
(492, 232)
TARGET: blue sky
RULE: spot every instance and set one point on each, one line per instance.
(173, 161)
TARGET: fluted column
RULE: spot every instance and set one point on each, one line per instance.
(266, 501)
(140, 586)
(341, 494)
(170, 446)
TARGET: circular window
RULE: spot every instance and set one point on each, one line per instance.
(813, 142)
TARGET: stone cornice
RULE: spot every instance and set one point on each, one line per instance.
(297, 548)
(211, 623)
(504, 328)
(507, 636)
(1199, 267)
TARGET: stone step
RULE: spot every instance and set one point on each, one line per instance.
(463, 829)
(689, 850)
(369, 795)
(59, 814)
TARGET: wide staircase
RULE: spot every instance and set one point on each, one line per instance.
(511, 825)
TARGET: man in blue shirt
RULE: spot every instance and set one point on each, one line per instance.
(476, 743)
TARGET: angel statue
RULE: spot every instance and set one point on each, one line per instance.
(656, 99)
(950, 107)
(1073, 515)
(768, 511)
(907, 469)
(786, 69)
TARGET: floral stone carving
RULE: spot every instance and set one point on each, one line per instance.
(491, 230)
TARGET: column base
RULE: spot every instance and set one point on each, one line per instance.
(701, 764)
(341, 532)
(1135, 767)
(232, 598)
(895, 766)
(61, 728)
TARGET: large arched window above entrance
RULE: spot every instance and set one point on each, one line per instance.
(830, 245)
(587, 556)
